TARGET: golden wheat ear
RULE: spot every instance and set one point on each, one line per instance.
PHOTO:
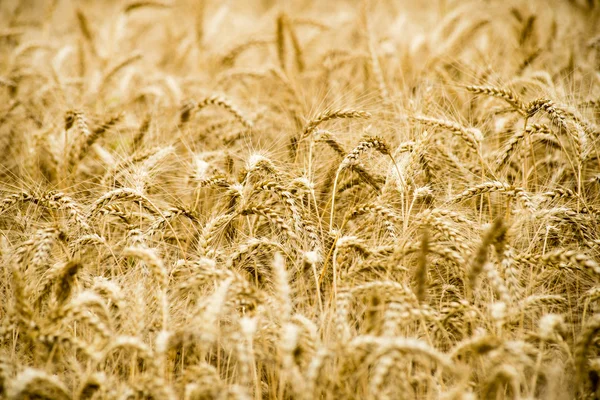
(502, 93)
(193, 106)
(329, 115)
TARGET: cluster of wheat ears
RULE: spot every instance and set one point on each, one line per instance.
(338, 199)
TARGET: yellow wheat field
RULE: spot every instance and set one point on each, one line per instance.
(375, 199)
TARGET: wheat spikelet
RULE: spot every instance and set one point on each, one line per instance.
(300, 64)
(141, 133)
(257, 163)
(239, 73)
(514, 141)
(289, 342)
(331, 114)
(84, 134)
(312, 373)
(229, 58)
(213, 309)
(7, 82)
(337, 147)
(497, 283)
(86, 30)
(468, 137)
(79, 310)
(37, 383)
(248, 248)
(155, 152)
(246, 357)
(91, 385)
(482, 188)
(343, 302)
(280, 27)
(571, 256)
(152, 260)
(589, 332)
(394, 290)
(15, 198)
(383, 370)
(22, 306)
(492, 234)
(209, 231)
(388, 216)
(113, 71)
(282, 287)
(61, 201)
(511, 275)
(541, 301)
(288, 199)
(500, 376)
(558, 193)
(477, 344)
(132, 343)
(376, 70)
(444, 213)
(371, 142)
(136, 5)
(168, 215)
(435, 221)
(406, 345)
(123, 194)
(62, 275)
(592, 103)
(548, 106)
(96, 134)
(421, 271)
(272, 216)
(215, 100)
(445, 252)
(159, 273)
(42, 245)
(551, 325)
(110, 290)
(505, 94)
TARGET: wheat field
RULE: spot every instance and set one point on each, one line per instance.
(371, 199)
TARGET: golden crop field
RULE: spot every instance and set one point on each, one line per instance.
(340, 199)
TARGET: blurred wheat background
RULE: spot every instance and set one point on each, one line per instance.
(373, 199)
